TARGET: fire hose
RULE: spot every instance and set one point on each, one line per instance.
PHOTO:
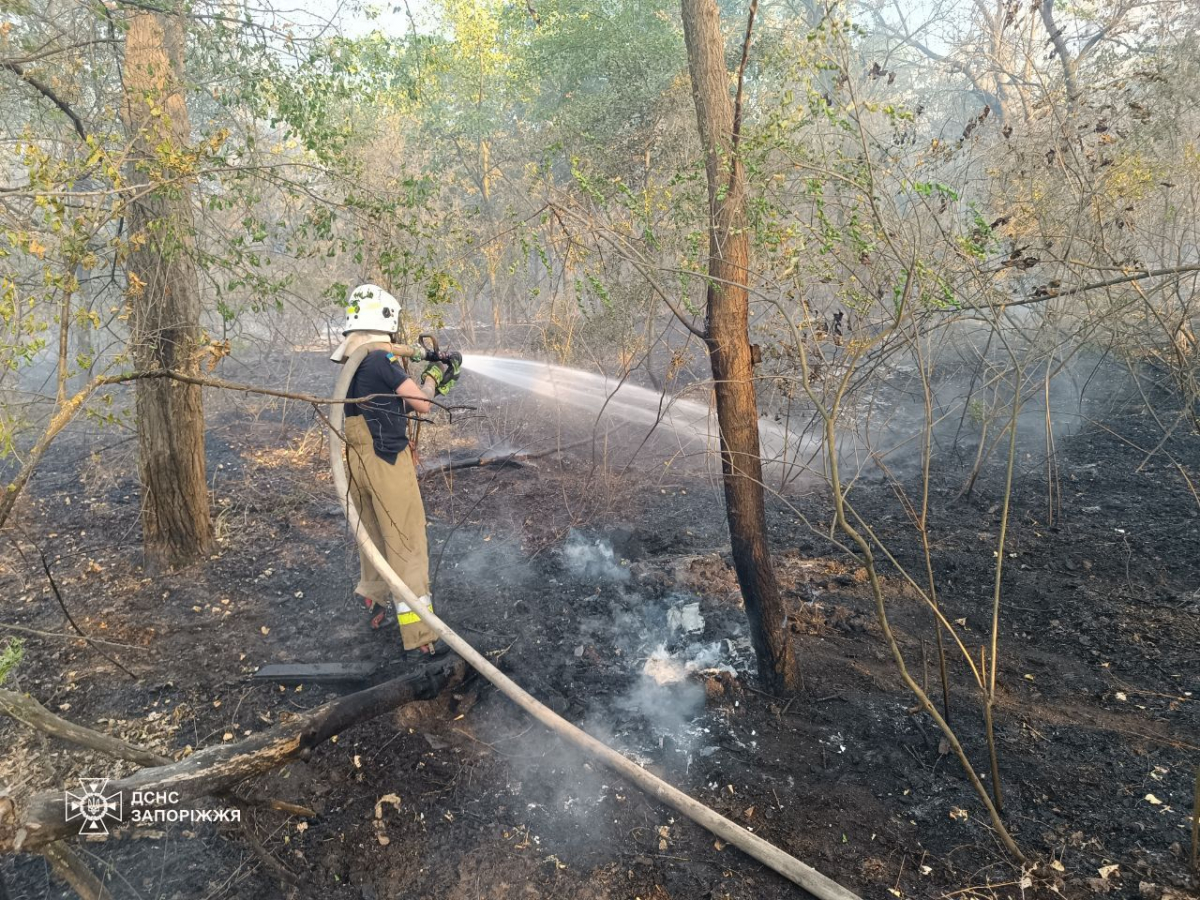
(766, 853)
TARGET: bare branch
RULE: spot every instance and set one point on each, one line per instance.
(45, 52)
(58, 635)
(46, 91)
(25, 709)
(1044, 294)
(1046, 9)
(957, 66)
(68, 410)
(737, 101)
(74, 871)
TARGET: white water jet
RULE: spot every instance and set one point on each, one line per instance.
(611, 400)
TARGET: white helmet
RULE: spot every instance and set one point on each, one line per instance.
(370, 308)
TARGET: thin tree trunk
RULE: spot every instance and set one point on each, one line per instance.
(728, 340)
(164, 295)
(63, 414)
(64, 337)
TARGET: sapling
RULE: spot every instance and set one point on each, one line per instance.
(11, 657)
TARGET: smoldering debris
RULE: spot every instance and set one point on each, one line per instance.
(671, 711)
(686, 618)
(593, 559)
(664, 667)
(637, 675)
(662, 716)
(658, 644)
(668, 660)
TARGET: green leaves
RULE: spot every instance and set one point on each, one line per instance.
(10, 657)
(933, 188)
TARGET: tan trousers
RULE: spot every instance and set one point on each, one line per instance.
(389, 504)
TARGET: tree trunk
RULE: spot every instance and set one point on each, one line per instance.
(728, 340)
(164, 295)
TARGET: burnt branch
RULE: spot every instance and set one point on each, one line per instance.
(36, 822)
(75, 872)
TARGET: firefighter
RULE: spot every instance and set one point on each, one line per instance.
(380, 456)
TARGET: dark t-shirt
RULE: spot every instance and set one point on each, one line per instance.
(381, 372)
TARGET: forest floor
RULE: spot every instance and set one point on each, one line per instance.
(572, 573)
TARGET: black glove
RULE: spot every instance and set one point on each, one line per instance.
(452, 360)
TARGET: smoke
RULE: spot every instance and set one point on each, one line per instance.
(607, 675)
(593, 559)
(659, 644)
(663, 713)
(972, 389)
(468, 563)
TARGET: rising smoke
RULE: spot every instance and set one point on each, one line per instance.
(593, 559)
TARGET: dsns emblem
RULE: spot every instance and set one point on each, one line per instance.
(93, 806)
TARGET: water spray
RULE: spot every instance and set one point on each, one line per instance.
(768, 854)
(605, 397)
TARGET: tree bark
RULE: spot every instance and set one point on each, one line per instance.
(728, 340)
(164, 294)
(214, 771)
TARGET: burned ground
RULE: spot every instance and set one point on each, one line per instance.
(571, 573)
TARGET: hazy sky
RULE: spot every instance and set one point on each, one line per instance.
(359, 18)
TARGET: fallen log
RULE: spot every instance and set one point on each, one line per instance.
(453, 464)
(29, 825)
(517, 458)
(28, 711)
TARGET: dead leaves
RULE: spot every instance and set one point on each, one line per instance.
(390, 800)
(136, 287)
(214, 352)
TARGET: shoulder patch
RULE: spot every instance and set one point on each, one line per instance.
(392, 357)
